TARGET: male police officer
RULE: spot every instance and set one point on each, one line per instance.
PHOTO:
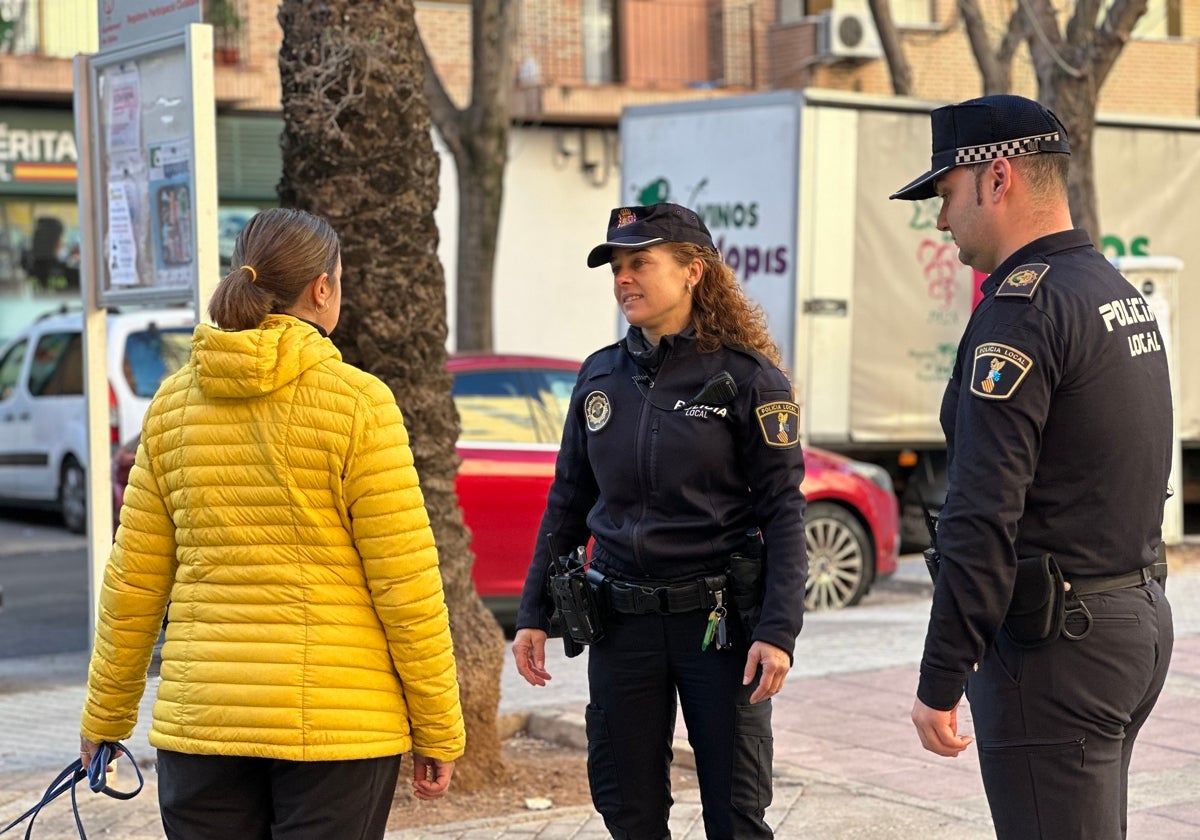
(1058, 433)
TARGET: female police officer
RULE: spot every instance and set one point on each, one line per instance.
(680, 441)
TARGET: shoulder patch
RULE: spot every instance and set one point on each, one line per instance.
(998, 370)
(780, 423)
(1023, 281)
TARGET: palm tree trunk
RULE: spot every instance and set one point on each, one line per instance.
(357, 149)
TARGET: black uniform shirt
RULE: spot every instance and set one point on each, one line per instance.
(667, 490)
(1058, 432)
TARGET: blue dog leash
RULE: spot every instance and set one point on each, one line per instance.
(97, 777)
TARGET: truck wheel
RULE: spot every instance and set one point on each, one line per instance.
(72, 496)
(840, 564)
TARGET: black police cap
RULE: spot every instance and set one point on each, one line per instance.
(639, 227)
(984, 129)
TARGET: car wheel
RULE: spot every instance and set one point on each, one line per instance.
(840, 564)
(72, 496)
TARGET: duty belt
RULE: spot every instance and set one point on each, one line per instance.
(1091, 584)
(664, 598)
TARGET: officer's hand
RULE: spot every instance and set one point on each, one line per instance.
(775, 666)
(431, 778)
(529, 649)
(939, 730)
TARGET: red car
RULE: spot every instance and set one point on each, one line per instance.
(512, 410)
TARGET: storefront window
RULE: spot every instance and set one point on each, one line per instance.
(39, 258)
(39, 248)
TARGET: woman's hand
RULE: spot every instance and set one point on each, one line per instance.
(775, 665)
(529, 649)
(87, 749)
(431, 778)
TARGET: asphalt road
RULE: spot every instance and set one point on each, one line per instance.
(43, 572)
(44, 577)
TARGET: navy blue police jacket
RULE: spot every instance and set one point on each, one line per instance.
(668, 490)
(1058, 431)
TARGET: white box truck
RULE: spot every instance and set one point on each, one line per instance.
(866, 298)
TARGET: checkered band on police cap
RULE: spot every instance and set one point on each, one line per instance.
(984, 129)
(1009, 148)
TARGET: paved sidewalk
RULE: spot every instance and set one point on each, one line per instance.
(847, 762)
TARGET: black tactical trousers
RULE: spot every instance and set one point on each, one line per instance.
(1055, 725)
(635, 673)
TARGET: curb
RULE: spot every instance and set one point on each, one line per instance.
(569, 729)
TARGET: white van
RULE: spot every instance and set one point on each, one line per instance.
(43, 433)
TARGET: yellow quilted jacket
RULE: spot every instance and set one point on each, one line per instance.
(275, 505)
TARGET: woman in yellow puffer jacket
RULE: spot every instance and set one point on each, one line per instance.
(275, 506)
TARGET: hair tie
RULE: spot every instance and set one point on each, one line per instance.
(253, 273)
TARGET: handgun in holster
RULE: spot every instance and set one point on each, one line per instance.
(745, 576)
(933, 557)
(574, 589)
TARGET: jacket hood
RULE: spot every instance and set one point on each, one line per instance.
(250, 363)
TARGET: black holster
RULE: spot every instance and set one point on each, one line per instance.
(745, 579)
(574, 589)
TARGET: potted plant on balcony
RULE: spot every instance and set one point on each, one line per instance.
(226, 23)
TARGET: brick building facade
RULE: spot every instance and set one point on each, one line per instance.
(581, 61)
(576, 64)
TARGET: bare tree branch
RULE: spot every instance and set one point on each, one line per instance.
(893, 50)
(1112, 35)
(446, 116)
(493, 30)
(1014, 36)
(1081, 28)
(477, 138)
(1046, 45)
(995, 77)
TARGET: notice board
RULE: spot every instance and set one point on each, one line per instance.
(144, 127)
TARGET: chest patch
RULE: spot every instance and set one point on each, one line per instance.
(998, 370)
(780, 423)
(598, 410)
(1023, 281)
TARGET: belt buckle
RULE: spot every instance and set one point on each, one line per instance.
(647, 599)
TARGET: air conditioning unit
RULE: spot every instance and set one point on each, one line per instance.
(847, 33)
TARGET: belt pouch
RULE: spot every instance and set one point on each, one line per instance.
(1038, 607)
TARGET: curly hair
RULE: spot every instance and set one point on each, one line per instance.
(722, 315)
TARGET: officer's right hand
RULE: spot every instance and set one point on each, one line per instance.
(938, 730)
(529, 649)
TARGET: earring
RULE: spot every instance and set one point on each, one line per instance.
(323, 307)
(689, 288)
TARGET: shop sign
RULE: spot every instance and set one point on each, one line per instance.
(37, 152)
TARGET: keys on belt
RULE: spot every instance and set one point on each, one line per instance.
(716, 625)
(670, 598)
